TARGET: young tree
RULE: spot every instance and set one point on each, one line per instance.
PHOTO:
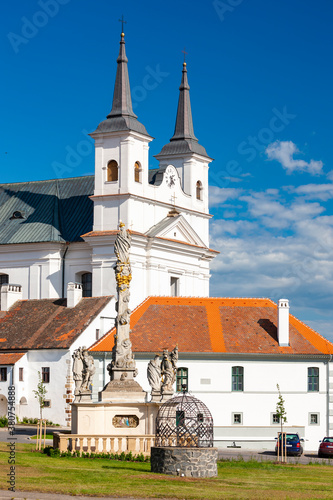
(282, 414)
(40, 394)
(280, 409)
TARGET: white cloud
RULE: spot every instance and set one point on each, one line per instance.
(283, 152)
(218, 195)
(321, 192)
(277, 248)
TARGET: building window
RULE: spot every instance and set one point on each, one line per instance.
(237, 383)
(137, 171)
(313, 418)
(20, 374)
(275, 419)
(97, 333)
(46, 374)
(313, 379)
(47, 403)
(112, 171)
(4, 278)
(23, 401)
(182, 379)
(199, 190)
(86, 280)
(174, 286)
(3, 374)
(237, 418)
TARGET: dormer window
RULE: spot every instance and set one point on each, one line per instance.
(112, 171)
(199, 190)
(137, 171)
(17, 215)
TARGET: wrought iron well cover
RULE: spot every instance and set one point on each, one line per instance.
(184, 421)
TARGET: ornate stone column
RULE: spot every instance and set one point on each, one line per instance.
(122, 368)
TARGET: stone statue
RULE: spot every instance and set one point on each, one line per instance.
(77, 370)
(122, 245)
(83, 370)
(154, 374)
(88, 370)
(167, 373)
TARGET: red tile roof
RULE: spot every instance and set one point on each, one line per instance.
(216, 325)
(10, 358)
(47, 323)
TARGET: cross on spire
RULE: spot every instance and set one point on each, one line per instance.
(184, 51)
(122, 21)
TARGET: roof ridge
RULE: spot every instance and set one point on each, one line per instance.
(46, 180)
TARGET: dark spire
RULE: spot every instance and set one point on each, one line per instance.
(122, 101)
(184, 123)
(183, 139)
(121, 116)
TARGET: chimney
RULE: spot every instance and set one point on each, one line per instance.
(74, 294)
(9, 295)
(283, 322)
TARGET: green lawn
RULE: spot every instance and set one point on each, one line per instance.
(98, 477)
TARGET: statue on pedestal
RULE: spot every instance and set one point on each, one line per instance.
(122, 368)
(162, 374)
(83, 372)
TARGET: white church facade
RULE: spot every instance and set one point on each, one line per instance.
(233, 352)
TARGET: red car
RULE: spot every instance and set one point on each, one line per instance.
(325, 447)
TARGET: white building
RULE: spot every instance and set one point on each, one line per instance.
(40, 336)
(233, 352)
(58, 231)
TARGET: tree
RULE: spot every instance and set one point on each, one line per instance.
(280, 409)
(282, 414)
(40, 394)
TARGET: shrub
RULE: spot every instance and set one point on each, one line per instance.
(3, 421)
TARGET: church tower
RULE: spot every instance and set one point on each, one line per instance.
(121, 153)
(165, 209)
(185, 153)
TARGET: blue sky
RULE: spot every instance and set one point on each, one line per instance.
(261, 82)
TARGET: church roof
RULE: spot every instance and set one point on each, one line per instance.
(47, 323)
(57, 210)
(183, 140)
(215, 325)
(121, 116)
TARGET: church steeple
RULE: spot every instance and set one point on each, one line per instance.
(183, 139)
(122, 101)
(121, 116)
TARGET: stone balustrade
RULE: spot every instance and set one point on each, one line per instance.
(103, 444)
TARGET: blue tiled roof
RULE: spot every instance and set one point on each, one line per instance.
(54, 210)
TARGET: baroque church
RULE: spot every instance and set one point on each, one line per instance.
(58, 288)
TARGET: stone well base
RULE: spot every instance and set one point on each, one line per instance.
(180, 461)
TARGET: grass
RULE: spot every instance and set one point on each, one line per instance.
(102, 477)
(47, 436)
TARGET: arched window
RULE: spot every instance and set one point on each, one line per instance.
(237, 376)
(112, 171)
(86, 280)
(137, 171)
(182, 380)
(199, 190)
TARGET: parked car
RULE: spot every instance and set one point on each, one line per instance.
(326, 447)
(294, 446)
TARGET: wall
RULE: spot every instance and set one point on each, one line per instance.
(210, 381)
